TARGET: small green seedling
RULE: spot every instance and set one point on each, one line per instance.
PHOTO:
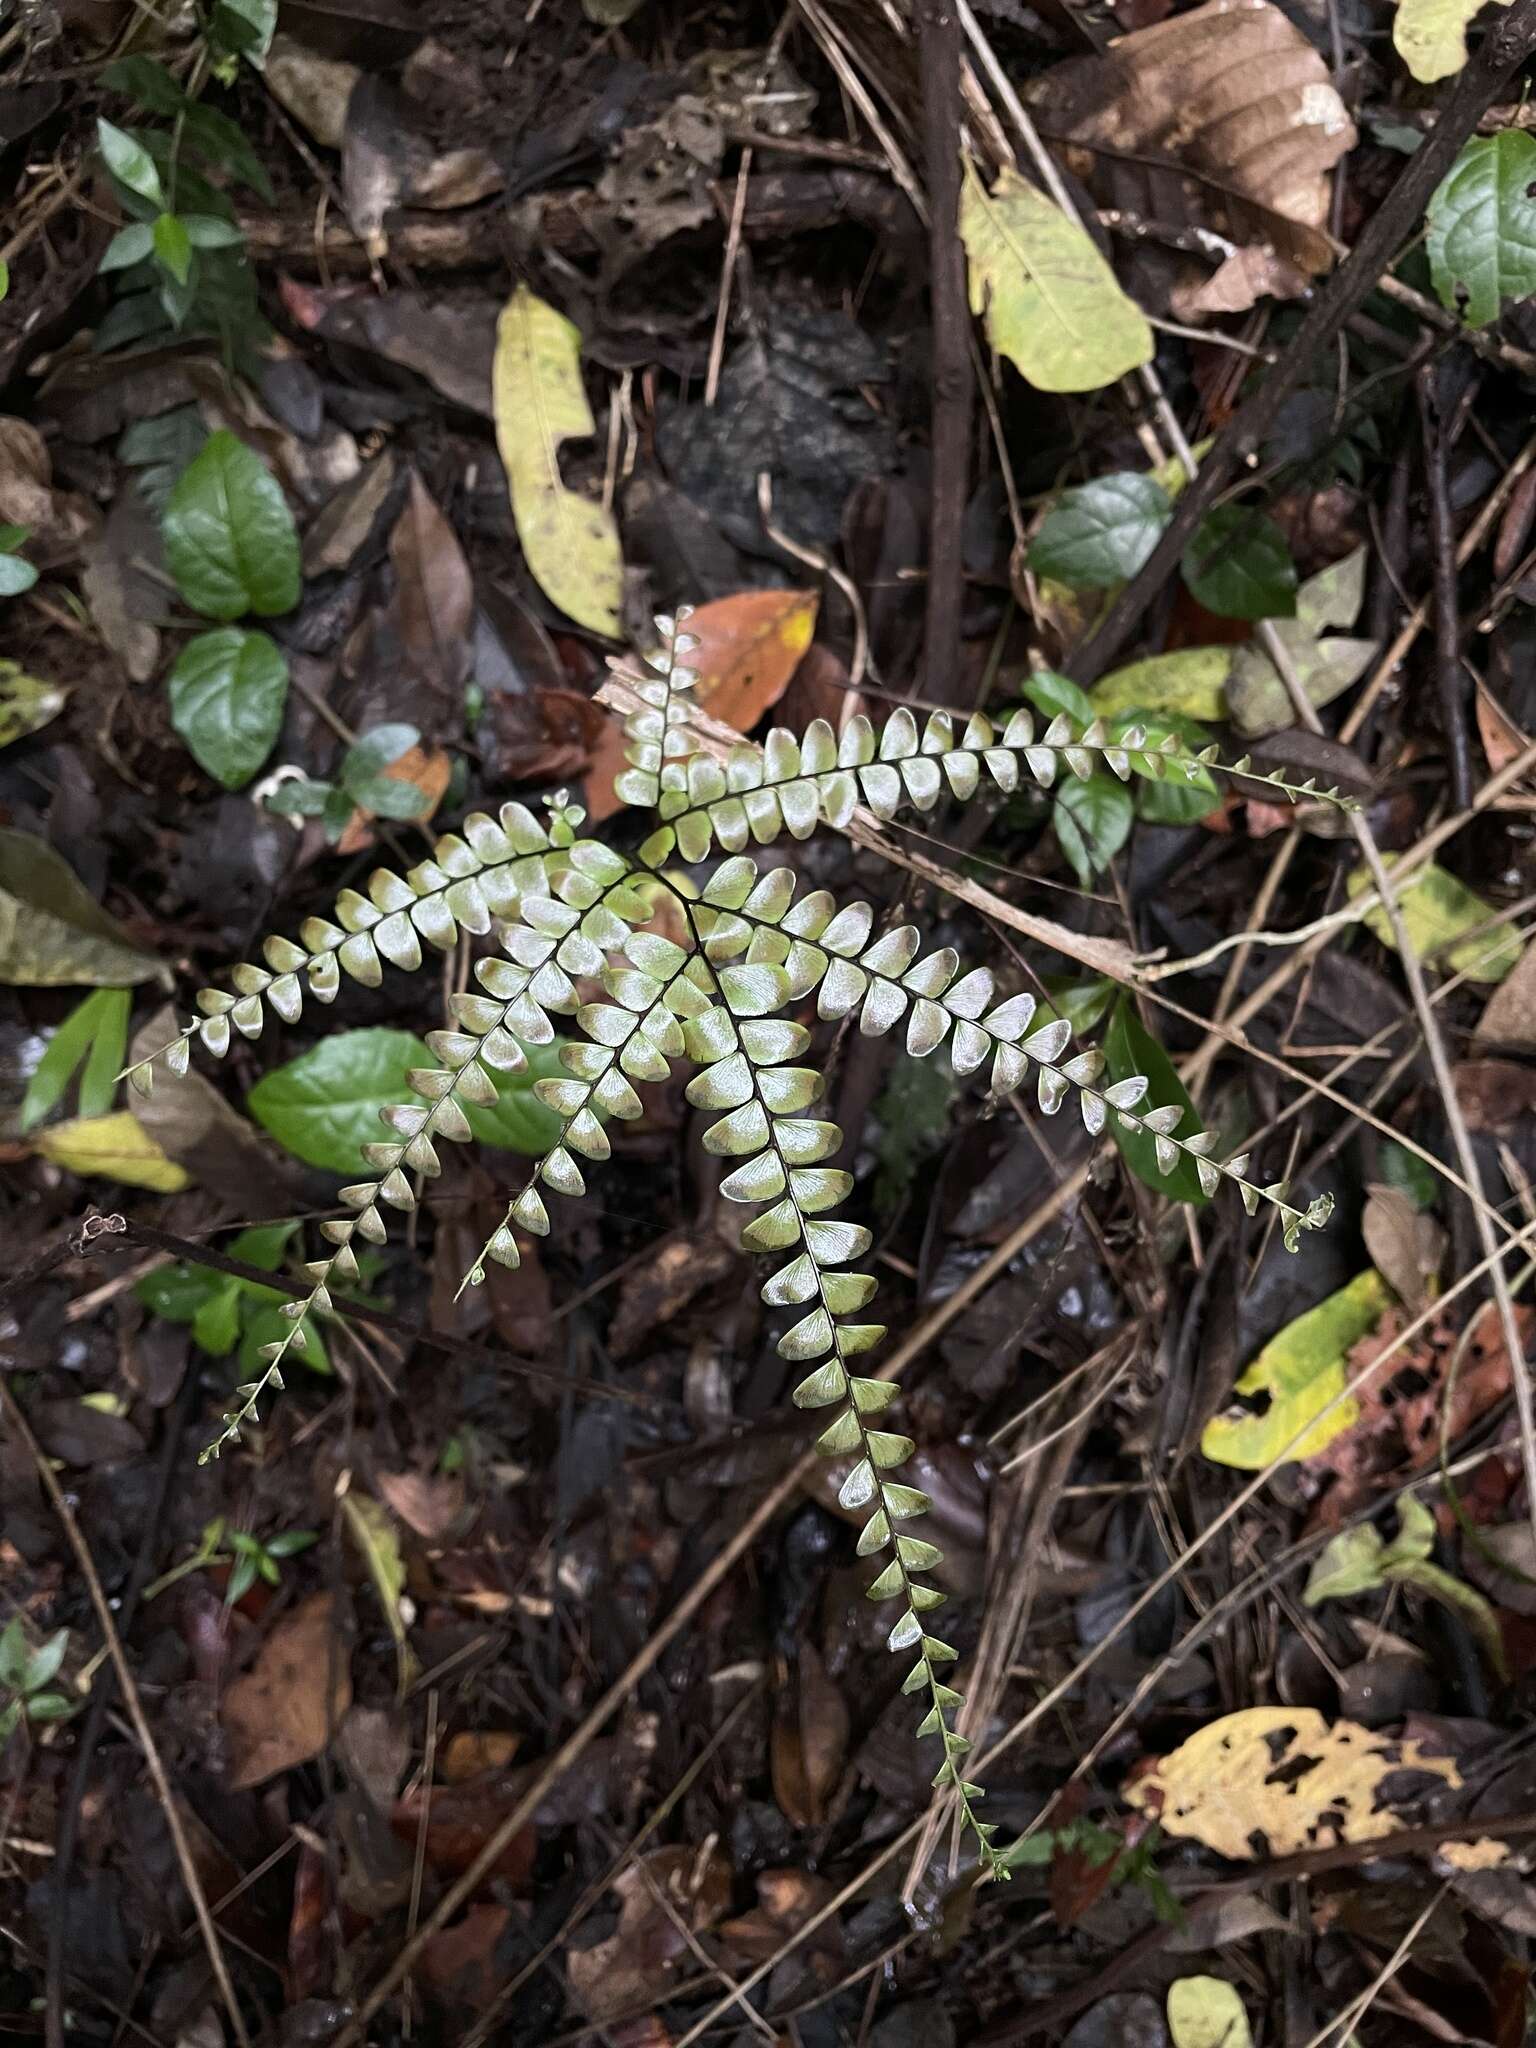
(249, 1557)
(25, 1675)
(228, 1314)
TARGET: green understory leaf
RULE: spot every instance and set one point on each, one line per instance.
(1297, 1374)
(129, 162)
(1051, 303)
(95, 1035)
(1482, 226)
(1099, 534)
(1093, 820)
(324, 1106)
(227, 691)
(1129, 1048)
(1239, 565)
(229, 536)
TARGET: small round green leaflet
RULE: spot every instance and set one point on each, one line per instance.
(227, 691)
(229, 536)
(1099, 534)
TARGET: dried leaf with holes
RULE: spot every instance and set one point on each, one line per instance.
(1223, 121)
(1273, 1781)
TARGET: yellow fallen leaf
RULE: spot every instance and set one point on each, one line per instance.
(1301, 1370)
(25, 703)
(1273, 1781)
(117, 1146)
(1051, 302)
(1191, 682)
(1206, 2012)
(1448, 922)
(1431, 35)
(570, 542)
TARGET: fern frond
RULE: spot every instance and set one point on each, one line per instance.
(470, 879)
(567, 911)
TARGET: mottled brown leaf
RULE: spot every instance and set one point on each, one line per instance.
(1222, 120)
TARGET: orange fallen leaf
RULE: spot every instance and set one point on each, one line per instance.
(750, 645)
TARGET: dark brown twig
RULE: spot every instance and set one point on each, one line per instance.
(1450, 677)
(1503, 50)
(940, 48)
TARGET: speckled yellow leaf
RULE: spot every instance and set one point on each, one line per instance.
(1300, 1371)
(1206, 2012)
(1273, 1781)
(1051, 302)
(1447, 922)
(1431, 35)
(570, 542)
(117, 1147)
(1191, 682)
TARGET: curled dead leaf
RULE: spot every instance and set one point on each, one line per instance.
(1223, 120)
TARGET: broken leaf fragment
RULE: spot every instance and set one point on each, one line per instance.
(1299, 1373)
(1257, 700)
(1051, 302)
(1274, 1781)
(570, 541)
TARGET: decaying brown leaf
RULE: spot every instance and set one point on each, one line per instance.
(663, 1285)
(1273, 1781)
(1239, 107)
(282, 1711)
(1510, 1018)
(749, 647)
(810, 1741)
(638, 1964)
(1397, 1432)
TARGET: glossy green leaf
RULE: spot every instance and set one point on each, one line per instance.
(129, 162)
(1099, 534)
(244, 28)
(229, 537)
(1051, 693)
(1482, 226)
(228, 690)
(1129, 1048)
(1239, 565)
(173, 247)
(1093, 820)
